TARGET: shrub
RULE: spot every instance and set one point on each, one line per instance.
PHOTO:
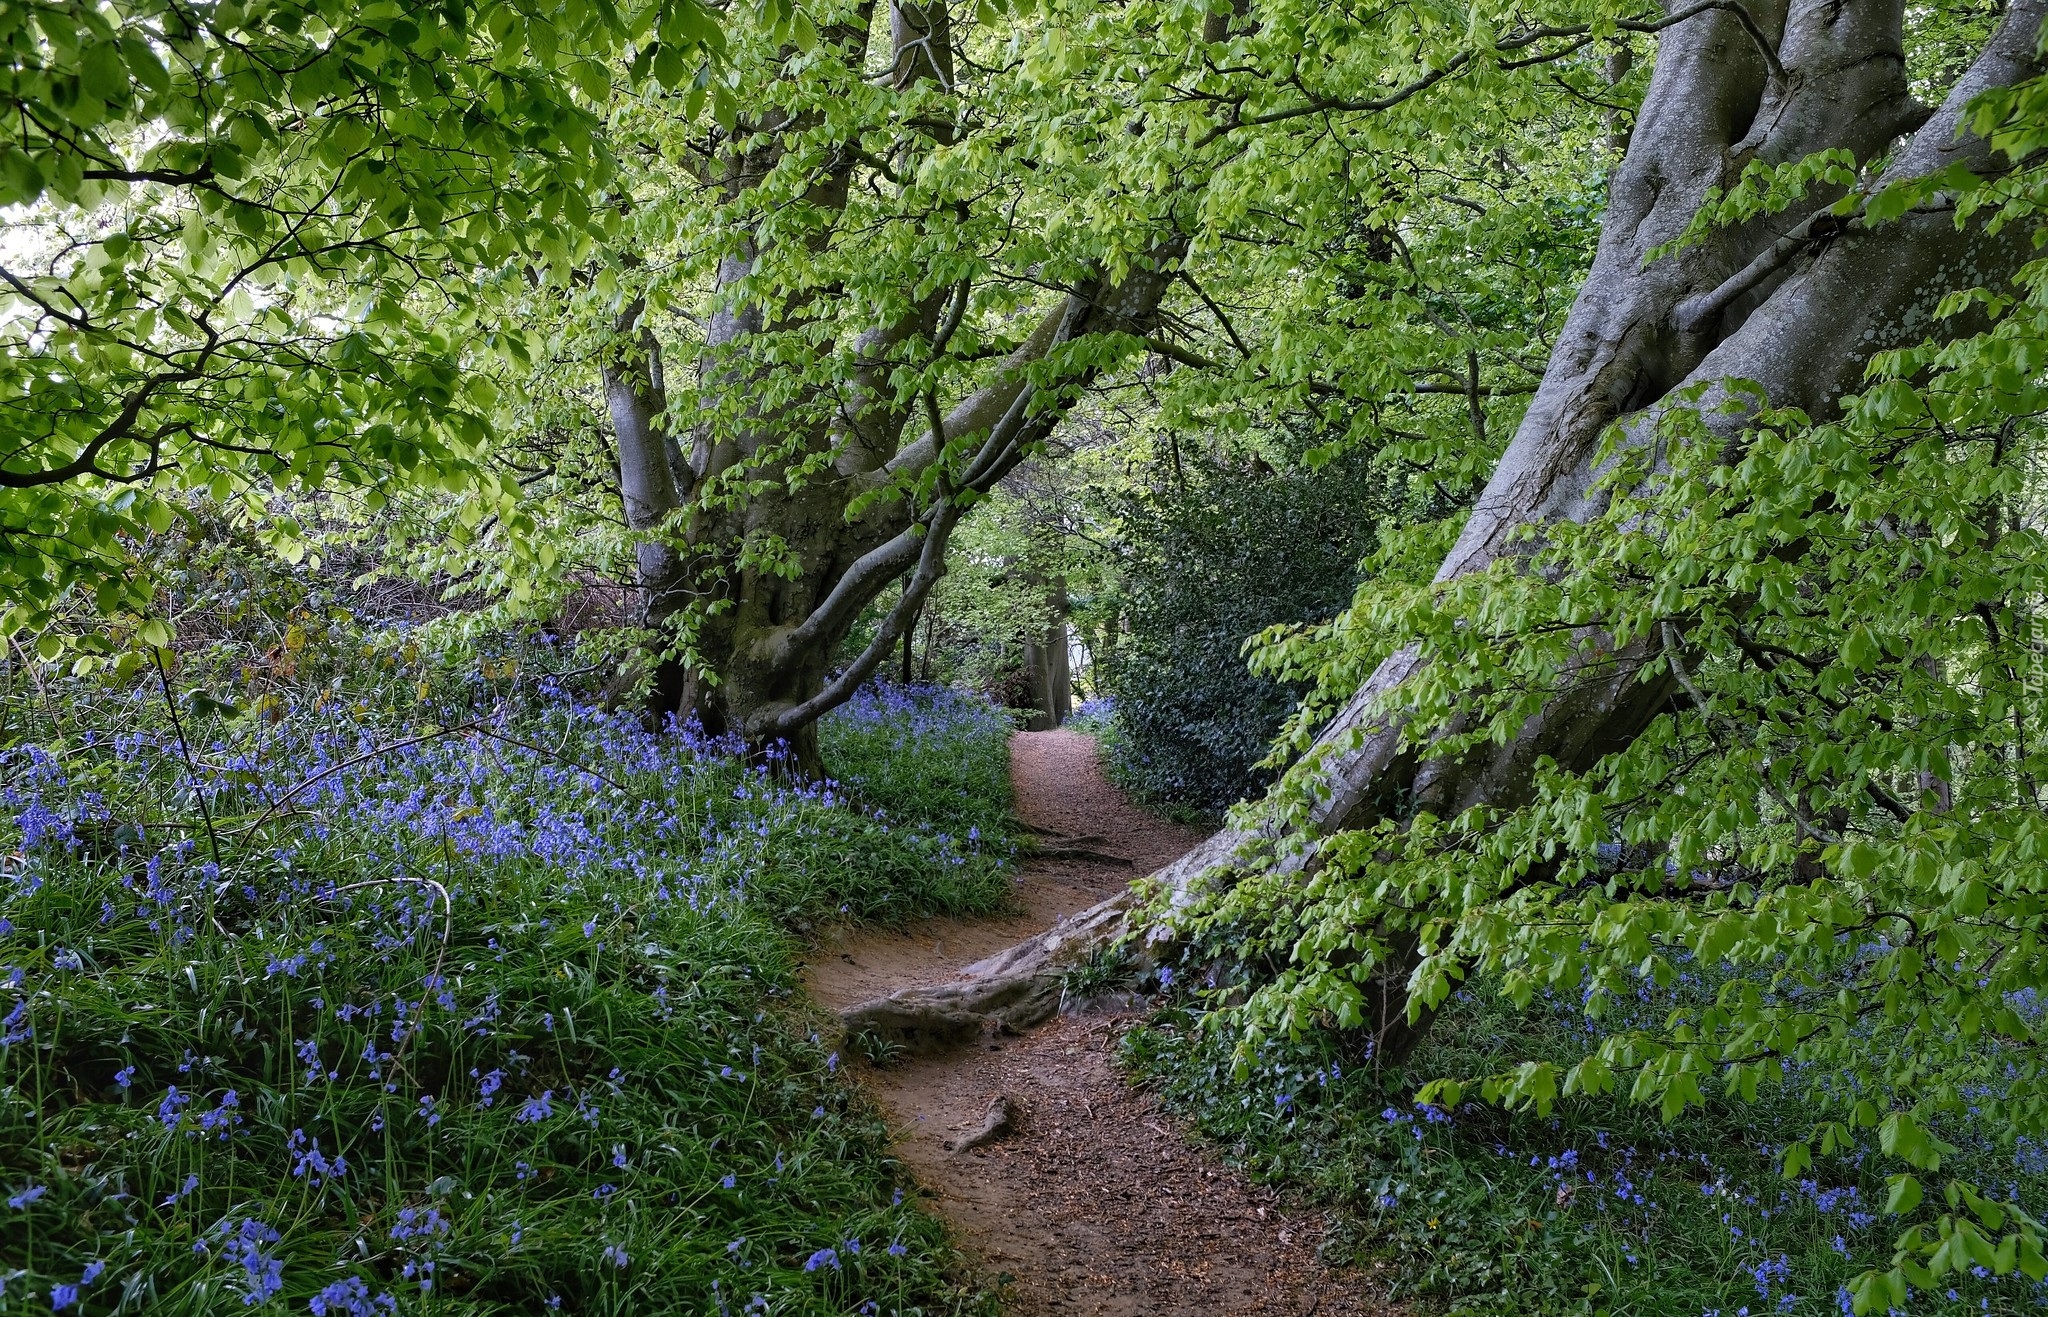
(1211, 560)
(1597, 1207)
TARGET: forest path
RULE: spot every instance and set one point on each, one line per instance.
(1094, 1206)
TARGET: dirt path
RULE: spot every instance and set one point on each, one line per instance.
(1095, 1206)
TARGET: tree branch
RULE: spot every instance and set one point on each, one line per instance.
(931, 565)
(1580, 32)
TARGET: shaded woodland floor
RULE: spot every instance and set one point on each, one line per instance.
(1095, 1204)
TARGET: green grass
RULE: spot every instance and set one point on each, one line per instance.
(1599, 1208)
(464, 1028)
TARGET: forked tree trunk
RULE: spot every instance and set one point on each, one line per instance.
(765, 643)
(772, 639)
(1801, 318)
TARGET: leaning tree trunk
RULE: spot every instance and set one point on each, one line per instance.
(1794, 307)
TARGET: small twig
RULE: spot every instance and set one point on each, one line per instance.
(163, 677)
(351, 762)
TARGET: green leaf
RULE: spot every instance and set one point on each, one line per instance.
(103, 73)
(668, 66)
(1902, 1136)
(143, 63)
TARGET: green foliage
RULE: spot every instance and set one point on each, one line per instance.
(255, 251)
(1599, 1206)
(899, 238)
(1222, 549)
(428, 981)
(1841, 809)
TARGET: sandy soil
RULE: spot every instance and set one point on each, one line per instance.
(1095, 1205)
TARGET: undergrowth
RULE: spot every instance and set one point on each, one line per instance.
(412, 985)
(1122, 763)
(1597, 1208)
(927, 753)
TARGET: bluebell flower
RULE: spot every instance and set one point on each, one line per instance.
(243, 1244)
(351, 1298)
(21, 1200)
(416, 1224)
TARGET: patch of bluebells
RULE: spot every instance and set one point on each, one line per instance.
(310, 1164)
(245, 1244)
(483, 799)
(694, 818)
(1627, 1200)
(351, 1297)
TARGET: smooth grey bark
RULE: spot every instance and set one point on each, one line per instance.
(1804, 330)
(1048, 677)
(767, 640)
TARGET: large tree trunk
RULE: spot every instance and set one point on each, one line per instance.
(761, 645)
(1800, 317)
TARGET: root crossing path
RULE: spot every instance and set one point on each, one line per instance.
(1078, 1196)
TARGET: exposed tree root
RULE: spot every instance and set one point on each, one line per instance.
(1000, 1120)
(1024, 985)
